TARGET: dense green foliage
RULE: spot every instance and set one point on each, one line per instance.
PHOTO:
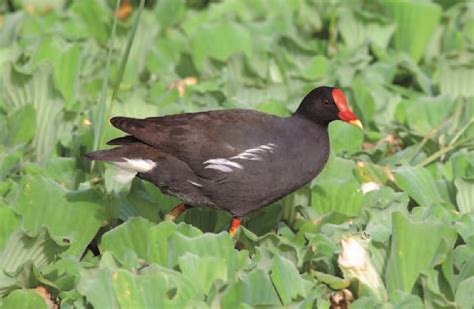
(407, 68)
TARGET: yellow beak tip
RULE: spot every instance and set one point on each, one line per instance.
(357, 123)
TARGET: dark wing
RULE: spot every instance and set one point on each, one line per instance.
(197, 137)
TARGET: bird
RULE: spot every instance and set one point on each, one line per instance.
(237, 160)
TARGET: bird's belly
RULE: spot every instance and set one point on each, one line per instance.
(262, 183)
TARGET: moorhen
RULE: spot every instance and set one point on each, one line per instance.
(236, 160)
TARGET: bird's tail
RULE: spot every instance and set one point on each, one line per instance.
(105, 155)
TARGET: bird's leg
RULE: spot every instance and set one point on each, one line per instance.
(176, 212)
(234, 225)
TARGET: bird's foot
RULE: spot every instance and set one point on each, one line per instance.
(176, 212)
(234, 225)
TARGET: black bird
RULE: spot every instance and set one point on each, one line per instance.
(237, 160)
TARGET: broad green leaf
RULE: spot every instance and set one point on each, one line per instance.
(9, 223)
(62, 170)
(467, 269)
(9, 159)
(232, 37)
(204, 270)
(413, 249)
(419, 184)
(457, 81)
(425, 113)
(286, 279)
(22, 125)
(92, 17)
(463, 165)
(96, 286)
(132, 235)
(253, 289)
(464, 226)
(345, 138)
(154, 289)
(408, 15)
(24, 299)
(168, 12)
(338, 177)
(274, 108)
(10, 27)
(66, 60)
(20, 89)
(71, 217)
(405, 300)
(337, 196)
(435, 291)
(365, 106)
(212, 245)
(317, 68)
(145, 240)
(464, 296)
(465, 195)
(20, 250)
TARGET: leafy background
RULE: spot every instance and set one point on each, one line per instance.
(403, 188)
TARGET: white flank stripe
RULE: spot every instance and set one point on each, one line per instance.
(224, 162)
(194, 183)
(252, 154)
(222, 168)
(136, 165)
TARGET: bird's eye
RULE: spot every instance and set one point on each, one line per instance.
(326, 102)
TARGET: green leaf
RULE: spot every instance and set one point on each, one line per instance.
(465, 195)
(342, 196)
(24, 299)
(157, 288)
(274, 108)
(9, 160)
(93, 18)
(203, 271)
(413, 249)
(464, 296)
(71, 217)
(423, 16)
(132, 235)
(168, 12)
(253, 289)
(62, 170)
(144, 239)
(212, 245)
(66, 61)
(21, 249)
(457, 81)
(232, 37)
(288, 283)
(419, 184)
(9, 223)
(345, 138)
(21, 89)
(22, 125)
(425, 113)
(96, 286)
(317, 68)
